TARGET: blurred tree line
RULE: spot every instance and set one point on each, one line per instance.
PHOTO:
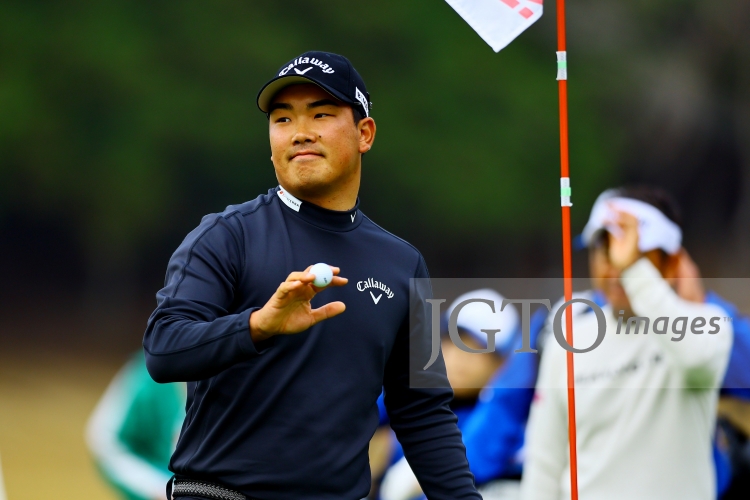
(123, 122)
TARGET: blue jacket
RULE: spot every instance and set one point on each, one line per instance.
(494, 432)
(292, 417)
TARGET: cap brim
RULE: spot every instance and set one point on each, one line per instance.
(267, 93)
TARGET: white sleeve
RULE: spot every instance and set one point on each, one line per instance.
(400, 483)
(546, 433)
(2, 484)
(703, 356)
(113, 456)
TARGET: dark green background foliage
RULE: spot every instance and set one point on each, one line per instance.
(123, 122)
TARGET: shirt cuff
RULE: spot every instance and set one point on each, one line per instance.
(248, 347)
(642, 274)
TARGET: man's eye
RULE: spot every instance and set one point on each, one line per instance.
(283, 119)
(321, 115)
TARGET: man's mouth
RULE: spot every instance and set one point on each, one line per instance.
(306, 154)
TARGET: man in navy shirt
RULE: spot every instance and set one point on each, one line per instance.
(284, 378)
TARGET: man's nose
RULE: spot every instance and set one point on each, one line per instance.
(303, 134)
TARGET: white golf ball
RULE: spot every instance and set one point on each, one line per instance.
(323, 275)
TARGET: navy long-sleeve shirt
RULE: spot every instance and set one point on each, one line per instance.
(291, 417)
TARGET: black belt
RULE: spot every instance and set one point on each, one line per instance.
(196, 488)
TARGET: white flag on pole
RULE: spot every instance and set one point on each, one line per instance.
(498, 22)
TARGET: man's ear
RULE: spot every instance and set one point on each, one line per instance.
(366, 128)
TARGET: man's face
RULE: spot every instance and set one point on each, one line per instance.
(468, 373)
(606, 278)
(315, 145)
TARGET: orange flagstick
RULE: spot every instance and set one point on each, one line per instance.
(498, 23)
(562, 77)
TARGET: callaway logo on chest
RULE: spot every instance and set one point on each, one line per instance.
(374, 284)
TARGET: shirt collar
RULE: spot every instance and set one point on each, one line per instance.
(333, 220)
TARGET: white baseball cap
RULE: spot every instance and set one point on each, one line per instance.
(478, 316)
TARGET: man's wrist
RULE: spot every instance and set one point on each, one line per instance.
(642, 269)
(622, 261)
(257, 334)
(631, 262)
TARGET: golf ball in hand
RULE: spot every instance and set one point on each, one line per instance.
(323, 275)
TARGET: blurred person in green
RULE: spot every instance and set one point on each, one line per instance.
(133, 431)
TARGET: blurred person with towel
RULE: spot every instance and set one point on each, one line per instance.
(646, 404)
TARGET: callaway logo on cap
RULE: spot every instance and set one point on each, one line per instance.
(331, 72)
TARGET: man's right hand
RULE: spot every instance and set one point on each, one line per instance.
(289, 310)
(623, 241)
